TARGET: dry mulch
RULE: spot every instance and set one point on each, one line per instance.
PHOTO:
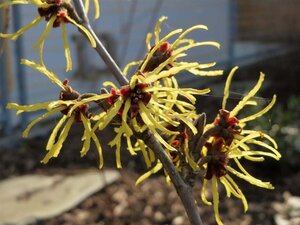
(152, 202)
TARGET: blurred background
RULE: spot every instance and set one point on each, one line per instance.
(254, 35)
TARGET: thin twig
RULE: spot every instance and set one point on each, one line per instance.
(184, 191)
(199, 123)
(101, 50)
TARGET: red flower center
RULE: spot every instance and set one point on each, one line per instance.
(230, 126)
(136, 95)
(217, 159)
(54, 10)
(70, 94)
(163, 53)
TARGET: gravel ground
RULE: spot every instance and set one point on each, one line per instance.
(152, 202)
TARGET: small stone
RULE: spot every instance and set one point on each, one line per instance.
(179, 220)
(119, 210)
(120, 196)
(159, 217)
(148, 211)
(82, 215)
(157, 199)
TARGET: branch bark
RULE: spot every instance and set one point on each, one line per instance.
(183, 190)
(100, 49)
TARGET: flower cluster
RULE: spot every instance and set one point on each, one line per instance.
(224, 142)
(71, 105)
(229, 142)
(56, 13)
(153, 101)
(163, 55)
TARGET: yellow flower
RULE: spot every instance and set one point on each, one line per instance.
(146, 103)
(237, 136)
(71, 106)
(163, 55)
(56, 14)
(158, 70)
(163, 62)
(230, 142)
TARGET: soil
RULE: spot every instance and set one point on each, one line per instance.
(153, 201)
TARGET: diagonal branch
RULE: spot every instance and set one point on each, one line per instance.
(184, 190)
(101, 50)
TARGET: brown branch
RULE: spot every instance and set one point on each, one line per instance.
(184, 191)
(199, 123)
(101, 50)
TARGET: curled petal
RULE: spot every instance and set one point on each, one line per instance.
(86, 135)
(66, 47)
(53, 135)
(52, 77)
(117, 142)
(155, 169)
(157, 45)
(149, 119)
(250, 94)
(14, 36)
(148, 39)
(143, 148)
(45, 33)
(204, 43)
(167, 73)
(129, 65)
(99, 149)
(108, 116)
(27, 108)
(235, 190)
(215, 193)
(260, 113)
(247, 177)
(203, 192)
(84, 30)
(55, 149)
(28, 128)
(227, 87)
(157, 28)
(196, 27)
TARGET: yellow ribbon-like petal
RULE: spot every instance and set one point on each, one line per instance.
(14, 36)
(157, 28)
(215, 193)
(181, 36)
(28, 128)
(155, 169)
(45, 33)
(203, 193)
(52, 77)
(66, 47)
(250, 94)
(84, 30)
(55, 150)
